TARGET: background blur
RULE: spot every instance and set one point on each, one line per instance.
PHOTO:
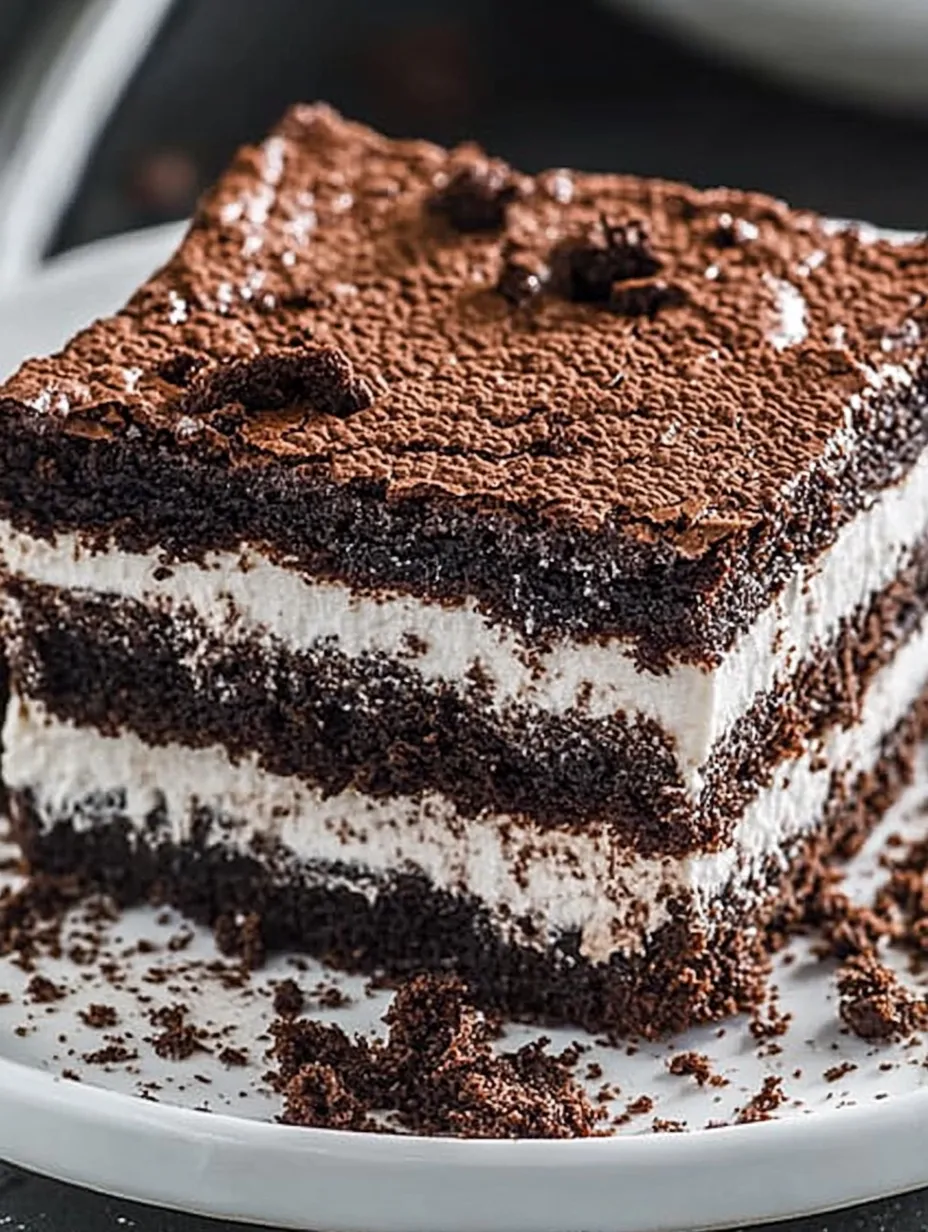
(577, 82)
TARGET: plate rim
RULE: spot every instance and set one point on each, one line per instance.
(188, 1120)
(401, 1166)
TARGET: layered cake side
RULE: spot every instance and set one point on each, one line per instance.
(460, 568)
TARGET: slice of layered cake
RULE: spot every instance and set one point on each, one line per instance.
(447, 568)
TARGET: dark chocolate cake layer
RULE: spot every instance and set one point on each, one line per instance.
(596, 404)
(687, 974)
(375, 725)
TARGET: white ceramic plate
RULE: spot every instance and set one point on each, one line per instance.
(210, 1145)
(869, 50)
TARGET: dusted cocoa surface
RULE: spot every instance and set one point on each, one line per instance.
(408, 926)
(328, 367)
(342, 238)
(375, 724)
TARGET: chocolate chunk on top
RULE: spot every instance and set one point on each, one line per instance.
(587, 267)
(477, 194)
(522, 278)
(319, 380)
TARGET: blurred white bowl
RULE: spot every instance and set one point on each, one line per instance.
(870, 50)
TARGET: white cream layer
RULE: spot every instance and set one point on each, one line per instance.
(242, 594)
(571, 881)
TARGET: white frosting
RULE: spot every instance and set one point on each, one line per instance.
(615, 897)
(243, 594)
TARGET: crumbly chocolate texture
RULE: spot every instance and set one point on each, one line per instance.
(760, 1107)
(436, 1074)
(98, 1016)
(895, 916)
(31, 916)
(408, 926)
(874, 1004)
(695, 1065)
(373, 724)
(44, 991)
(631, 449)
(288, 999)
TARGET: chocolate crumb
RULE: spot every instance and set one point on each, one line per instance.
(42, 990)
(762, 1105)
(98, 1016)
(32, 915)
(837, 1072)
(695, 1065)
(331, 997)
(168, 1016)
(288, 999)
(662, 1125)
(772, 1026)
(436, 1073)
(317, 1095)
(874, 1004)
(241, 937)
(233, 1057)
(178, 1039)
(110, 1054)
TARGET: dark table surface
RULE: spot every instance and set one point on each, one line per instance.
(542, 84)
(30, 1204)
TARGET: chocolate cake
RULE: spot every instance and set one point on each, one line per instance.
(437, 567)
